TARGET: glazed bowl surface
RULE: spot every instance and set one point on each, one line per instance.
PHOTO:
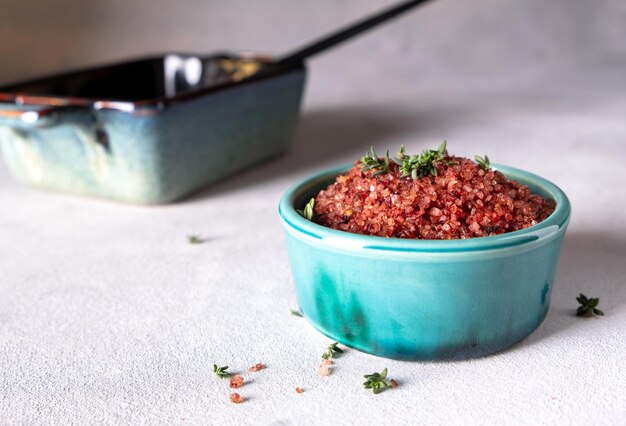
(424, 299)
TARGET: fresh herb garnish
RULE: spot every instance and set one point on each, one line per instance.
(221, 371)
(194, 239)
(483, 162)
(308, 212)
(588, 306)
(295, 313)
(371, 161)
(331, 350)
(416, 166)
(422, 164)
(377, 381)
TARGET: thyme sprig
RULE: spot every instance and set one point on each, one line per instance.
(377, 381)
(221, 371)
(194, 239)
(588, 306)
(422, 164)
(309, 210)
(331, 350)
(295, 313)
(483, 161)
(416, 166)
(371, 161)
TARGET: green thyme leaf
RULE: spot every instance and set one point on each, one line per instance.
(588, 306)
(332, 350)
(377, 381)
(295, 313)
(422, 164)
(483, 162)
(194, 239)
(371, 161)
(309, 210)
(221, 371)
(441, 150)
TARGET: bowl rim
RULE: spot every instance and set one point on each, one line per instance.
(546, 230)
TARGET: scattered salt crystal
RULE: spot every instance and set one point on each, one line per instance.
(324, 370)
(256, 367)
(236, 381)
(236, 398)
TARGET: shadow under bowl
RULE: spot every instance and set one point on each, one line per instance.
(424, 299)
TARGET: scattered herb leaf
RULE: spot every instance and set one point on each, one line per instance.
(295, 313)
(377, 381)
(371, 161)
(422, 164)
(588, 306)
(194, 239)
(308, 212)
(331, 350)
(483, 161)
(221, 371)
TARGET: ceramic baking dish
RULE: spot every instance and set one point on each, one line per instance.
(153, 130)
(149, 130)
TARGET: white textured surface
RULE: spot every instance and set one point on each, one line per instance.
(107, 314)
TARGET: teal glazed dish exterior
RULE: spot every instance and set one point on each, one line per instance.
(140, 132)
(424, 299)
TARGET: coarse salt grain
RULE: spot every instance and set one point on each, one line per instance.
(236, 381)
(324, 370)
(236, 398)
(256, 367)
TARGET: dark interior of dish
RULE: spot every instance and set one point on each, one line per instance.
(143, 79)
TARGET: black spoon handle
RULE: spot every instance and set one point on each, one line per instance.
(344, 34)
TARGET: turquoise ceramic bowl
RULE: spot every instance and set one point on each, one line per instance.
(424, 299)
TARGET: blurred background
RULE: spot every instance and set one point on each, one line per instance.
(477, 73)
(451, 43)
(505, 78)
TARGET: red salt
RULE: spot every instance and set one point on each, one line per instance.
(462, 201)
(236, 381)
(325, 369)
(257, 367)
(236, 398)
